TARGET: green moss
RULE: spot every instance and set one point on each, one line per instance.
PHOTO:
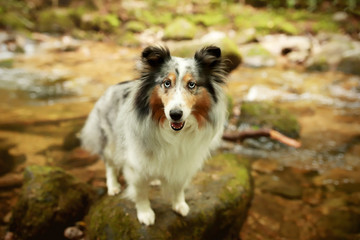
(15, 21)
(152, 17)
(95, 21)
(50, 200)
(7, 63)
(237, 172)
(128, 39)
(135, 26)
(108, 215)
(218, 207)
(209, 19)
(180, 29)
(268, 115)
(55, 20)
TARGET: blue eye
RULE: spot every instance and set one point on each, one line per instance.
(191, 85)
(167, 84)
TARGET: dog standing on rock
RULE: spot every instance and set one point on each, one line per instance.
(160, 126)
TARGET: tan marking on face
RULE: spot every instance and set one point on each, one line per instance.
(157, 106)
(172, 77)
(188, 77)
(167, 94)
(201, 107)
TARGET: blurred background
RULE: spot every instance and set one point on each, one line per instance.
(295, 69)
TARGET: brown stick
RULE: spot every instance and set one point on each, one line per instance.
(241, 136)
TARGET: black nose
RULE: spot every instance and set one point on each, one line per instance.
(176, 114)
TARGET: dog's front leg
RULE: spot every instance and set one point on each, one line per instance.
(177, 196)
(137, 191)
(112, 183)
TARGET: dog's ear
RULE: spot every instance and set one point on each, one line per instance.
(154, 57)
(209, 57)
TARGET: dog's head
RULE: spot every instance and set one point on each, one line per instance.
(174, 88)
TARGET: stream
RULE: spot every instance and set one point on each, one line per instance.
(311, 192)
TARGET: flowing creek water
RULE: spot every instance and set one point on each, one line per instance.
(302, 193)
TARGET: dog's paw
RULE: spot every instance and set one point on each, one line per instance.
(146, 217)
(181, 208)
(114, 189)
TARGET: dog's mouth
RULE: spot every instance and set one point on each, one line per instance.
(177, 126)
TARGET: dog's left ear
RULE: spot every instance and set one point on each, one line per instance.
(209, 57)
(154, 57)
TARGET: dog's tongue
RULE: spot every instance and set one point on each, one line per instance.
(177, 125)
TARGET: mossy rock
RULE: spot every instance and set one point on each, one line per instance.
(350, 65)
(180, 29)
(229, 49)
(95, 21)
(50, 201)
(135, 26)
(263, 114)
(255, 55)
(218, 197)
(15, 21)
(55, 20)
(210, 19)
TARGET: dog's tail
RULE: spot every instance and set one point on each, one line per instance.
(92, 136)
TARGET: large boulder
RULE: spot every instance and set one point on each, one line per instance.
(218, 197)
(50, 201)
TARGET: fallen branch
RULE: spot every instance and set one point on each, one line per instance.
(241, 136)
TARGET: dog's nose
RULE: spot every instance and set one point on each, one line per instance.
(176, 114)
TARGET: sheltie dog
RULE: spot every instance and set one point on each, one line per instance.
(161, 126)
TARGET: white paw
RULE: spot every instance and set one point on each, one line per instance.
(114, 189)
(181, 208)
(146, 217)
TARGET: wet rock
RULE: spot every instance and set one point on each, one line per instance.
(340, 179)
(350, 64)
(295, 48)
(95, 21)
(73, 233)
(180, 29)
(339, 222)
(11, 180)
(135, 26)
(72, 140)
(255, 55)
(218, 198)
(36, 85)
(50, 201)
(228, 47)
(334, 51)
(55, 20)
(283, 183)
(267, 115)
(78, 157)
(7, 161)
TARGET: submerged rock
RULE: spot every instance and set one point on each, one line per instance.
(218, 197)
(50, 201)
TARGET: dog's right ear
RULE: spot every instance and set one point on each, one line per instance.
(154, 57)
